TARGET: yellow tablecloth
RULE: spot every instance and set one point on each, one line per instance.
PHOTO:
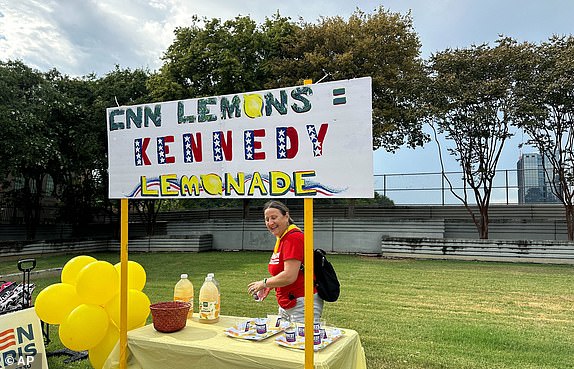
(206, 345)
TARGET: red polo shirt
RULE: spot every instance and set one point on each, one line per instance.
(291, 246)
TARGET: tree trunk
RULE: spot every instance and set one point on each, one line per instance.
(32, 206)
(151, 215)
(483, 232)
(245, 203)
(569, 209)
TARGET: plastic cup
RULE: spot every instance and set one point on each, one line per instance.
(301, 330)
(323, 329)
(261, 326)
(244, 326)
(316, 327)
(290, 334)
(317, 338)
(274, 321)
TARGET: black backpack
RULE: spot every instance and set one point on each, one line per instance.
(326, 281)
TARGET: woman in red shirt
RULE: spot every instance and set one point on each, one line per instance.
(287, 277)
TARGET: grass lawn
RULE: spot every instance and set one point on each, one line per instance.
(409, 313)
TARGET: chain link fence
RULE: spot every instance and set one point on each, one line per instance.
(404, 189)
(434, 189)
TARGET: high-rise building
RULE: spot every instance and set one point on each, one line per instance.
(533, 183)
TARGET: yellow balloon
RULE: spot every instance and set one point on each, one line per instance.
(73, 266)
(99, 353)
(138, 309)
(212, 184)
(141, 324)
(136, 275)
(84, 327)
(97, 283)
(55, 302)
(253, 105)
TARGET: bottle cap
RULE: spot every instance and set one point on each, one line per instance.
(210, 275)
(183, 276)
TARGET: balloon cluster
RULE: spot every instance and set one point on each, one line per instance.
(86, 305)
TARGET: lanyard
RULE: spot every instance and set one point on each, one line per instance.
(291, 227)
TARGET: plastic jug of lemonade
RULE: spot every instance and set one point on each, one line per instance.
(208, 299)
(218, 306)
(183, 291)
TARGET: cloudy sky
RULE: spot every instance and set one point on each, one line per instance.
(83, 36)
(79, 37)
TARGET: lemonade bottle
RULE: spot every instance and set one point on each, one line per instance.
(183, 291)
(218, 306)
(208, 299)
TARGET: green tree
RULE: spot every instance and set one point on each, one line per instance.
(237, 55)
(382, 45)
(26, 140)
(80, 138)
(471, 97)
(545, 100)
(52, 134)
(217, 58)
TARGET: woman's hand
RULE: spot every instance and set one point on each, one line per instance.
(285, 278)
(254, 287)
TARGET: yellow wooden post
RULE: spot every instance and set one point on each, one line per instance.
(124, 283)
(309, 314)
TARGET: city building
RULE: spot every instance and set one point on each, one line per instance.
(533, 182)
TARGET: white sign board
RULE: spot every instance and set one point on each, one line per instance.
(303, 141)
(21, 341)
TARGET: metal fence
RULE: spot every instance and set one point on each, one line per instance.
(434, 189)
(403, 188)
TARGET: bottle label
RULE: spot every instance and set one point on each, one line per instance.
(207, 310)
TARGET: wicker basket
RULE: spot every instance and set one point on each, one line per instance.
(169, 316)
